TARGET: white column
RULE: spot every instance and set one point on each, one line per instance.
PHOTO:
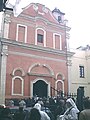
(3, 73)
(69, 64)
(5, 25)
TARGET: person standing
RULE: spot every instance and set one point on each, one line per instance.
(85, 114)
(44, 115)
(20, 114)
(71, 112)
(34, 114)
(60, 108)
(6, 114)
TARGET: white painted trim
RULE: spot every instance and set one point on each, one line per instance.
(49, 68)
(3, 66)
(38, 56)
(17, 33)
(21, 70)
(13, 85)
(36, 37)
(32, 82)
(43, 65)
(43, 36)
(6, 31)
(32, 66)
(59, 73)
(56, 85)
(25, 32)
(54, 40)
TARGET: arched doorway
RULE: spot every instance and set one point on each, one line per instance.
(40, 88)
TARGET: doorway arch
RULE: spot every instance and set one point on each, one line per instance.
(40, 87)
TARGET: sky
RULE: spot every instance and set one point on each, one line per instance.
(77, 14)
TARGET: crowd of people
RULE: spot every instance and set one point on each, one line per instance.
(66, 109)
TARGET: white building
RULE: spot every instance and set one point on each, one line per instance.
(79, 71)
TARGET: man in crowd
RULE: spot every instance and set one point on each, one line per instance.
(85, 114)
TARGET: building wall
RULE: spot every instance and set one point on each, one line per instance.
(79, 59)
(27, 60)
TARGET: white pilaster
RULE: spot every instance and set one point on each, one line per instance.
(3, 73)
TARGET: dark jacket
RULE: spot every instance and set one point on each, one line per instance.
(20, 114)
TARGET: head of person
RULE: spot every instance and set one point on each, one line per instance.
(34, 114)
(69, 103)
(40, 101)
(37, 106)
(21, 107)
(62, 102)
(2, 106)
(86, 103)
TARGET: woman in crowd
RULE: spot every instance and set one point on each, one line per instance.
(34, 114)
(71, 112)
(44, 115)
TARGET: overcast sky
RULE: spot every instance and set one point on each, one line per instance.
(77, 14)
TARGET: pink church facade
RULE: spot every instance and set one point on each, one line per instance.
(33, 54)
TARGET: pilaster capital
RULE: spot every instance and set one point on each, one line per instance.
(4, 51)
(7, 19)
(69, 63)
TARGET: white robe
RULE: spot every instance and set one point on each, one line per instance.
(71, 113)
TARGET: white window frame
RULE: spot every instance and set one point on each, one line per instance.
(57, 83)
(54, 40)
(44, 36)
(13, 85)
(82, 71)
(18, 31)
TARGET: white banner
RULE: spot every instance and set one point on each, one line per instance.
(15, 5)
(17, 8)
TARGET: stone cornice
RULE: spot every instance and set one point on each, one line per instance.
(37, 48)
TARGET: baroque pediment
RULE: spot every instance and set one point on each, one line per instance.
(39, 10)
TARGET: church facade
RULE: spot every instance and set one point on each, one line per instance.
(33, 53)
